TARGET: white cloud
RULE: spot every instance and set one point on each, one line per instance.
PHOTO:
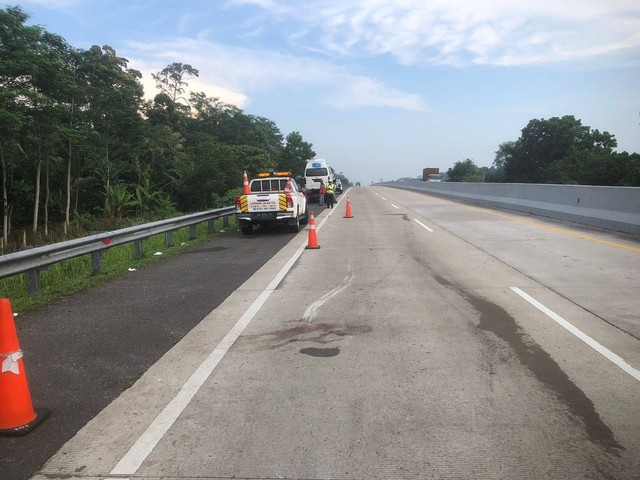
(366, 92)
(463, 32)
(413, 32)
(236, 73)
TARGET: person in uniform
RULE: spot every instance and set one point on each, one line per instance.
(330, 198)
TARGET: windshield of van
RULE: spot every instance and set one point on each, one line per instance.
(316, 172)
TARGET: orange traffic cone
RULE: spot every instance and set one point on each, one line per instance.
(348, 213)
(17, 416)
(245, 184)
(313, 237)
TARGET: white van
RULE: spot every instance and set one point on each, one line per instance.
(316, 170)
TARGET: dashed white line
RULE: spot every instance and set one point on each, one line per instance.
(422, 225)
(382, 197)
(394, 206)
(608, 354)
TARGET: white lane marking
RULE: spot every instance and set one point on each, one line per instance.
(395, 207)
(382, 197)
(608, 354)
(422, 225)
(312, 309)
(137, 454)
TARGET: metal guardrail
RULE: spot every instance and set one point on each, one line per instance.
(31, 261)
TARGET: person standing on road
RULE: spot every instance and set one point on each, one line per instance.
(330, 198)
(323, 191)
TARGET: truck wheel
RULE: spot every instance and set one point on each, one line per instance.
(305, 219)
(295, 227)
(247, 229)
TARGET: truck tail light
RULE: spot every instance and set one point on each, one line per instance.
(238, 201)
(289, 200)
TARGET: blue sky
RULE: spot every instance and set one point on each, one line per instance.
(384, 88)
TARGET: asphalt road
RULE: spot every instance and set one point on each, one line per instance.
(424, 339)
(84, 351)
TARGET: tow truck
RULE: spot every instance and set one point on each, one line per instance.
(272, 198)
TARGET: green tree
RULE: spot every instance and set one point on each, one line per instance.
(170, 107)
(163, 150)
(296, 153)
(464, 171)
(33, 80)
(551, 151)
(615, 169)
(209, 114)
(212, 167)
(171, 80)
(492, 174)
(17, 58)
(114, 99)
(266, 135)
(78, 128)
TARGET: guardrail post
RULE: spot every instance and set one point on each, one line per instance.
(168, 239)
(192, 232)
(96, 261)
(33, 282)
(137, 248)
(211, 226)
(225, 221)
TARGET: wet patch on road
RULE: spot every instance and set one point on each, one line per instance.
(497, 320)
(320, 352)
(321, 333)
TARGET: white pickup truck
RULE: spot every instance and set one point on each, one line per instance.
(274, 198)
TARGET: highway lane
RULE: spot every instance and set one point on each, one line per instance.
(397, 351)
(576, 262)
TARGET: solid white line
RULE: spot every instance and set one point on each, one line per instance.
(422, 225)
(395, 207)
(608, 354)
(137, 454)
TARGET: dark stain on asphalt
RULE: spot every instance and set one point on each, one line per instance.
(495, 319)
(322, 333)
(320, 352)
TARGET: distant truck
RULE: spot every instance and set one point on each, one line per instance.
(431, 174)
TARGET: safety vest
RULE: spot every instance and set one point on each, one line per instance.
(330, 188)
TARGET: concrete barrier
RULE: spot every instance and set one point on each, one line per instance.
(611, 208)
